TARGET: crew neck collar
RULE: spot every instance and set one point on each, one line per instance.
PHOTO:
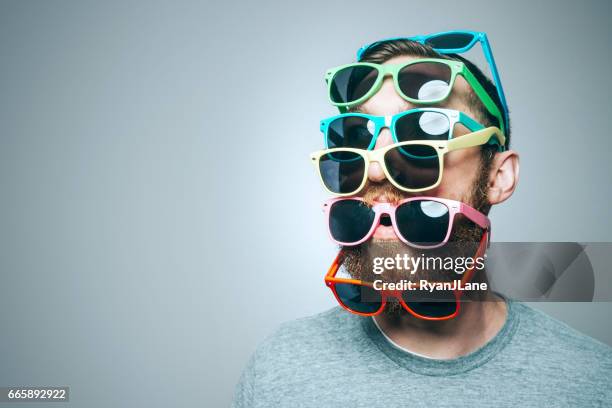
(445, 367)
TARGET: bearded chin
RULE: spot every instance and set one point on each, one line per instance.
(359, 260)
(464, 241)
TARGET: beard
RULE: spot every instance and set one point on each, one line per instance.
(464, 241)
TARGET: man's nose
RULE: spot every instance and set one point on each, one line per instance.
(375, 172)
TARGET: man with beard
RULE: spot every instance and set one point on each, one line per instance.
(495, 352)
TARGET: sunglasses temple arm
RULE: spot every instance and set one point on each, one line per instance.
(331, 272)
(479, 218)
(471, 139)
(495, 74)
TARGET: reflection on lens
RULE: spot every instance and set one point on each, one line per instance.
(342, 172)
(432, 90)
(425, 81)
(422, 125)
(350, 131)
(350, 220)
(423, 222)
(433, 209)
(413, 166)
(439, 303)
(352, 83)
(362, 299)
(450, 41)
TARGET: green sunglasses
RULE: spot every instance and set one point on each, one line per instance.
(422, 81)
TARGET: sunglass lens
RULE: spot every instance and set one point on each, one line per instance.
(342, 172)
(439, 303)
(352, 83)
(423, 222)
(362, 299)
(413, 166)
(454, 41)
(350, 131)
(425, 81)
(350, 220)
(422, 125)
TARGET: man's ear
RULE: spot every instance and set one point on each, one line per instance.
(503, 177)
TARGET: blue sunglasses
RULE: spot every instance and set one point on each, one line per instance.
(454, 42)
(360, 131)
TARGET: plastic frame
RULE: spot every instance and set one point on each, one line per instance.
(331, 280)
(456, 67)
(478, 36)
(490, 135)
(381, 122)
(454, 208)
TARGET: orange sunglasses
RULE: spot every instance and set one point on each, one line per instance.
(361, 298)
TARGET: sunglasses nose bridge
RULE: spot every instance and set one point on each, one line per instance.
(387, 123)
(383, 208)
(375, 156)
(396, 294)
(386, 71)
(372, 157)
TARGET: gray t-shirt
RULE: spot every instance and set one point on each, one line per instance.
(337, 359)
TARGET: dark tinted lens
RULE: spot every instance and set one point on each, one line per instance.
(350, 131)
(425, 81)
(342, 172)
(363, 299)
(439, 303)
(352, 83)
(425, 125)
(450, 41)
(423, 222)
(350, 220)
(413, 166)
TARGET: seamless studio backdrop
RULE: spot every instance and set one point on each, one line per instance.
(159, 215)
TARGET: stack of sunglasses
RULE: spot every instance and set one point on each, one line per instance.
(413, 163)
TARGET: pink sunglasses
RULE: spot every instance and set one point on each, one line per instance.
(421, 222)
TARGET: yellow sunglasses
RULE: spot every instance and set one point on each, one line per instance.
(411, 166)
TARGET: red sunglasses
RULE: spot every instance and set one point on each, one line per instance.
(360, 297)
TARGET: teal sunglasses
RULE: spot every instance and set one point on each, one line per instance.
(360, 131)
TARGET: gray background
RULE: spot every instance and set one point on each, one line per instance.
(158, 213)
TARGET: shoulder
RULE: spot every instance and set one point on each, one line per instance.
(537, 323)
(290, 357)
(329, 322)
(557, 345)
(311, 332)
(318, 339)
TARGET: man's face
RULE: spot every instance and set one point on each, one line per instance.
(460, 166)
(461, 180)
